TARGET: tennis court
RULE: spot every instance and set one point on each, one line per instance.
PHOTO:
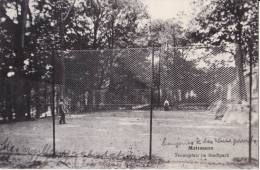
(123, 133)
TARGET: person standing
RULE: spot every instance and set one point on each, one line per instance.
(166, 105)
(61, 109)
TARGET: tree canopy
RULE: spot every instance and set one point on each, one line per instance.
(230, 21)
(33, 32)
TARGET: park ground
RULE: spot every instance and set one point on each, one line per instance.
(120, 139)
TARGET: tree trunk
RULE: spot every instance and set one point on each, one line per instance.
(8, 100)
(19, 86)
(19, 100)
(158, 96)
(45, 97)
(28, 99)
(90, 100)
(37, 100)
(176, 99)
(241, 77)
(2, 97)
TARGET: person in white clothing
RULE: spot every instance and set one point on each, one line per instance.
(166, 105)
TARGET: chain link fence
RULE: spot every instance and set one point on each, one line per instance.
(179, 80)
(107, 79)
(189, 78)
(196, 78)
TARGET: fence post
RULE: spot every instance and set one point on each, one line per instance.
(159, 81)
(151, 105)
(53, 102)
(250, 112)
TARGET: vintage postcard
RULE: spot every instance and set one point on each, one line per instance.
(158, 84)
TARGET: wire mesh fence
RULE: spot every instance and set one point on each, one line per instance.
(188, 78)
(175, 79)
(195, 78)
(24, 99)
(107, 79)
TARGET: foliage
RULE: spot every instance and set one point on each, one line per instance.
(32, 32)
(230, 21)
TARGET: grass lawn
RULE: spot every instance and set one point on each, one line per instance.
(120, 139)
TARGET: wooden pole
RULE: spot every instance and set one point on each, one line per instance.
(159, 83)
(151, 106)
(53, 103)
(250, 112)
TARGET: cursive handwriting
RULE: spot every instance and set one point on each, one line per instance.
(208, 141)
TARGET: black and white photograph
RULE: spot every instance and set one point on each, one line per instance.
(129, 84)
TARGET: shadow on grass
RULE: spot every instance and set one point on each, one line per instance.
(63, 160)
(130, 161)
(243, 162)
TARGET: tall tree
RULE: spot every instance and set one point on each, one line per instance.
(28, 38)
(99, 24)
(231, 22)
(15, 28)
